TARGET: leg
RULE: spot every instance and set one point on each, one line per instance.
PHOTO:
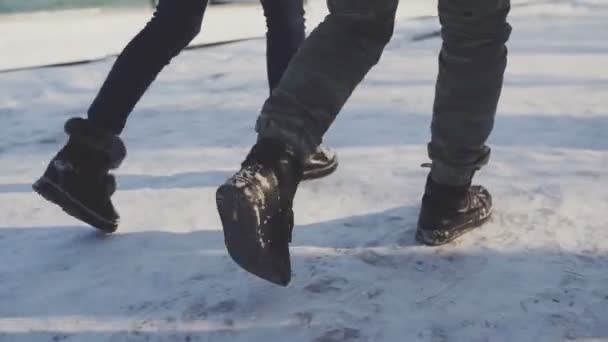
(78, 178)
(325, 71)
(174, 25)
(286, 32)
(255, 205)
(471, 66)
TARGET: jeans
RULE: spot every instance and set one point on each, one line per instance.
(350, 41)
(174, 25)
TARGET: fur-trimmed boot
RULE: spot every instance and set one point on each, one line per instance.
(78, 179)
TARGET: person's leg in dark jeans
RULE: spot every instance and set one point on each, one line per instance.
(472, 63)
(174, 25)
(78, 178)
(286, 32)
(256, 204)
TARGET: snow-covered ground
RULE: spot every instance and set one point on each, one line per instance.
(45, 38)
(537, 272)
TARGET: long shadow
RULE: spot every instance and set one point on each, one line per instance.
(555, 131)
(184, 180)
(569, 132)
(360, 278)
(372, 127)
(15, 188)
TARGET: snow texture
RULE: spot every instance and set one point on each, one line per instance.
(537, 272)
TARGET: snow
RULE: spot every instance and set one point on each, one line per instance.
(537, 272)
(75, 35)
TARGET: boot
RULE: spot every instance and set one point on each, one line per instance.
(78, 180)
(448, 212)
(255, 206)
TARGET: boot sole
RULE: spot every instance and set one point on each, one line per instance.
(455, 233)
(320, 172)
(240, 224)
(54, 194)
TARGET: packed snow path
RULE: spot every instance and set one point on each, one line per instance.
(537, 272)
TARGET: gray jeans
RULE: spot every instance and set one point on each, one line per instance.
(339, 53)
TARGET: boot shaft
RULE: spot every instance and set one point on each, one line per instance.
(277, 164)
(78, 178)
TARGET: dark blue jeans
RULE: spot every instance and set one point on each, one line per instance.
(339, 53)
(174, 24)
